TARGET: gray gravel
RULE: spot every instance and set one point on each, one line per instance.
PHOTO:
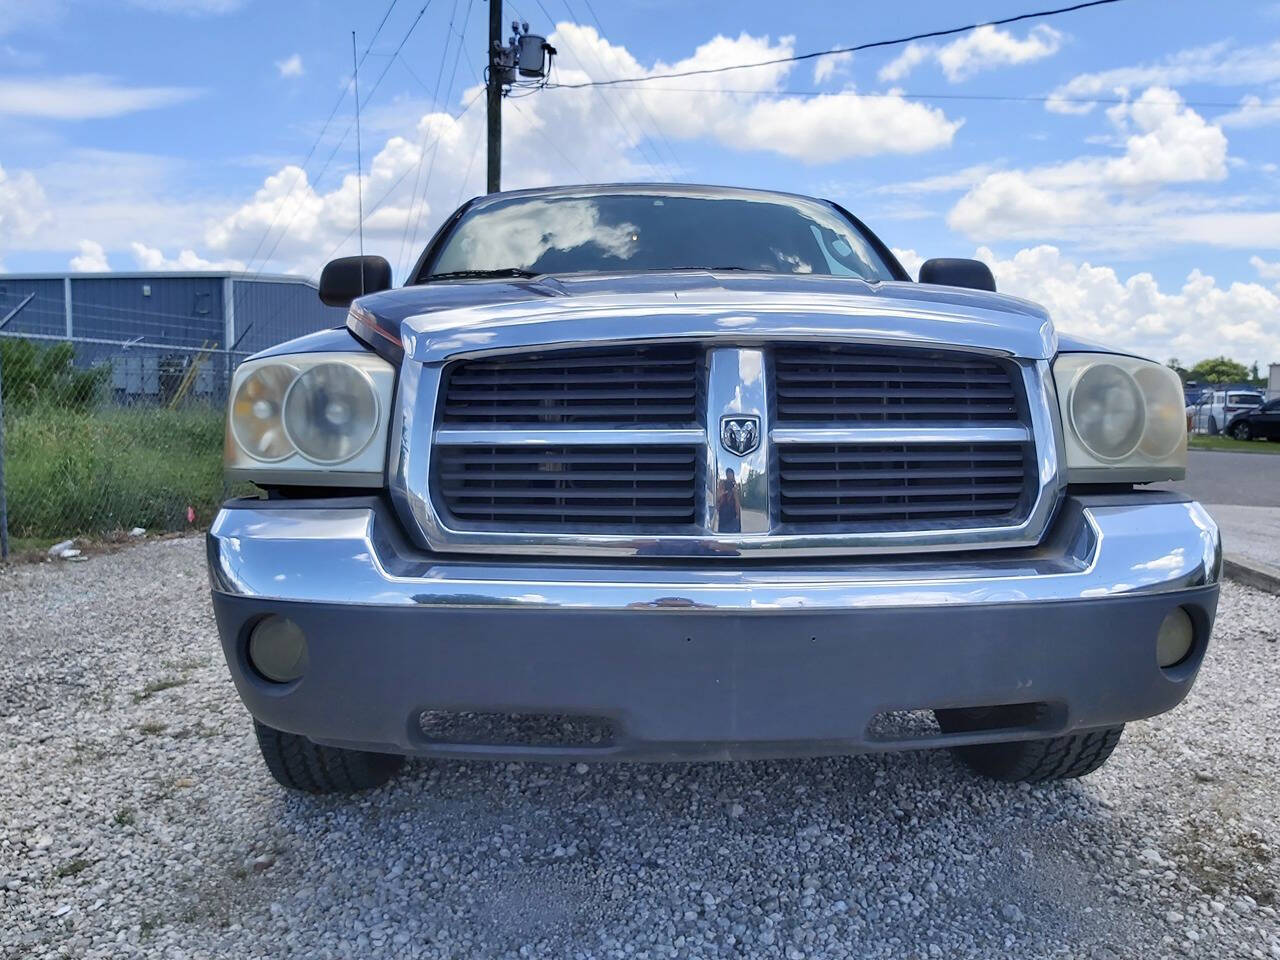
(137, 820)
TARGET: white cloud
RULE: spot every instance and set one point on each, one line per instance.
(1266, 270)
(1200, 319)
(1165, 143)
(91, 259)
(149, 258)
(901, 65)
(983, 49)
(1252, 112)
(23, 207)
(570, 135)
(1216, 63)
(910, 261)
(82, 97)
(943, 183)
(291, 66)
(824, 68)
(988, 47)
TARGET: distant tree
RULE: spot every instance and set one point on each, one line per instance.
(1173, 364)
(1219, 370)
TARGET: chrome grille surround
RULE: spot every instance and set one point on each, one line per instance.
(737, 371)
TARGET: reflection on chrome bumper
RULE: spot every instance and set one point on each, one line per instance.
(355, 554)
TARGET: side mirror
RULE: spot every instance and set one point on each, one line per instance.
(346, 278)
(953, 272)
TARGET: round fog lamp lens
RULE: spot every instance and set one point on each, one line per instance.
(331, 412)
(1173, 642)
(278, 649)
(1107, 411)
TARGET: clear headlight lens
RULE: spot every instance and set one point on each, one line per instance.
(331, 412)
(310, 419)
(256, 408)
(1123, 419)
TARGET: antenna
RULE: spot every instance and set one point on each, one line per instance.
(355, 79)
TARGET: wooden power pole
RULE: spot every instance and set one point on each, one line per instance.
(494, 181)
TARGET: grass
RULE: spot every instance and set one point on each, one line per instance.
(152, 728)
(73, 473)
(1202, 442)
(72, 867)
(155, 686)
(124, 817)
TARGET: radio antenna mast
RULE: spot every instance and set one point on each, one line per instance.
(355, 79)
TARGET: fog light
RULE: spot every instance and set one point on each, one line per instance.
(278, 649)
(1173, 642)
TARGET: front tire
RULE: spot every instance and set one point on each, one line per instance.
(1241, 431)
(299, 764)
(1029, 761)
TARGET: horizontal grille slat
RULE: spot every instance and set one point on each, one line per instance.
(920, 484)
(645, 385)
(849, 383)
(562, 487)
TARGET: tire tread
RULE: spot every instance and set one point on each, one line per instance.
(300, 764)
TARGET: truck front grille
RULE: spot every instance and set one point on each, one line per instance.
(857, 384)
(924, 483)
(631, 488)
(633, 385)
(708, 449)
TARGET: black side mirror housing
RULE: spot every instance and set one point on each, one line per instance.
(346, 278)
(954, 272)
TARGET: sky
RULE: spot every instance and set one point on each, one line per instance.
(1118, 164)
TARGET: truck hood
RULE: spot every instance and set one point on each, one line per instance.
(437, 320)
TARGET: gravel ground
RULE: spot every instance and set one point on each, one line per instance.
(137, 820)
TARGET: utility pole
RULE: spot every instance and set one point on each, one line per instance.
(496, 74)
(524, 61)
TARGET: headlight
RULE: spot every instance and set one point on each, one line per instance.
(1123, 419)
(313, 419)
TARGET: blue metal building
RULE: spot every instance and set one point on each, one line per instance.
(153, 327)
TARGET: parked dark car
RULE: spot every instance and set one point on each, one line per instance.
(1260, 423)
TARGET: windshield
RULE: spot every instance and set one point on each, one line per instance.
(644, 231)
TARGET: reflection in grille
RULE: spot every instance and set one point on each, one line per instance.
(924, 483)
(624, 385)
(854, 384)
(552, 487)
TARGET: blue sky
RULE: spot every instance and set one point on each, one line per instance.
(153, 134)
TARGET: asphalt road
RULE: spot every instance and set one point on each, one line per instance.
(1248, 479)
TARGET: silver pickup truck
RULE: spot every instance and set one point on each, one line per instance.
(698, 473)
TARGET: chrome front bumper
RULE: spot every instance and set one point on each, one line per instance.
(355, 554)
(719, 659)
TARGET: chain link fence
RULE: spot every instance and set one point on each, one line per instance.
(101, 436)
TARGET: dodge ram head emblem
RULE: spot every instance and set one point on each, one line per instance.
(740, 435)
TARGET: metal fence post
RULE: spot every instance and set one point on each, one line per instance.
(4, 505)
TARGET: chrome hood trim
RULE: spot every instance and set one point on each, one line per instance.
(895, 314)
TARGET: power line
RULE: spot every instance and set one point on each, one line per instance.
(1001, 98)
(950, 31)
(414, 203)
(654, 157)
(346, 133)
(302, 168)
(643, 106)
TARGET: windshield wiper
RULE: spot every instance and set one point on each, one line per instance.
(482, 274)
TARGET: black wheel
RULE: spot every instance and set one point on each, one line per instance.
(1241, 431)
(1213, 426)
(1032, 761)
(299, 764)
